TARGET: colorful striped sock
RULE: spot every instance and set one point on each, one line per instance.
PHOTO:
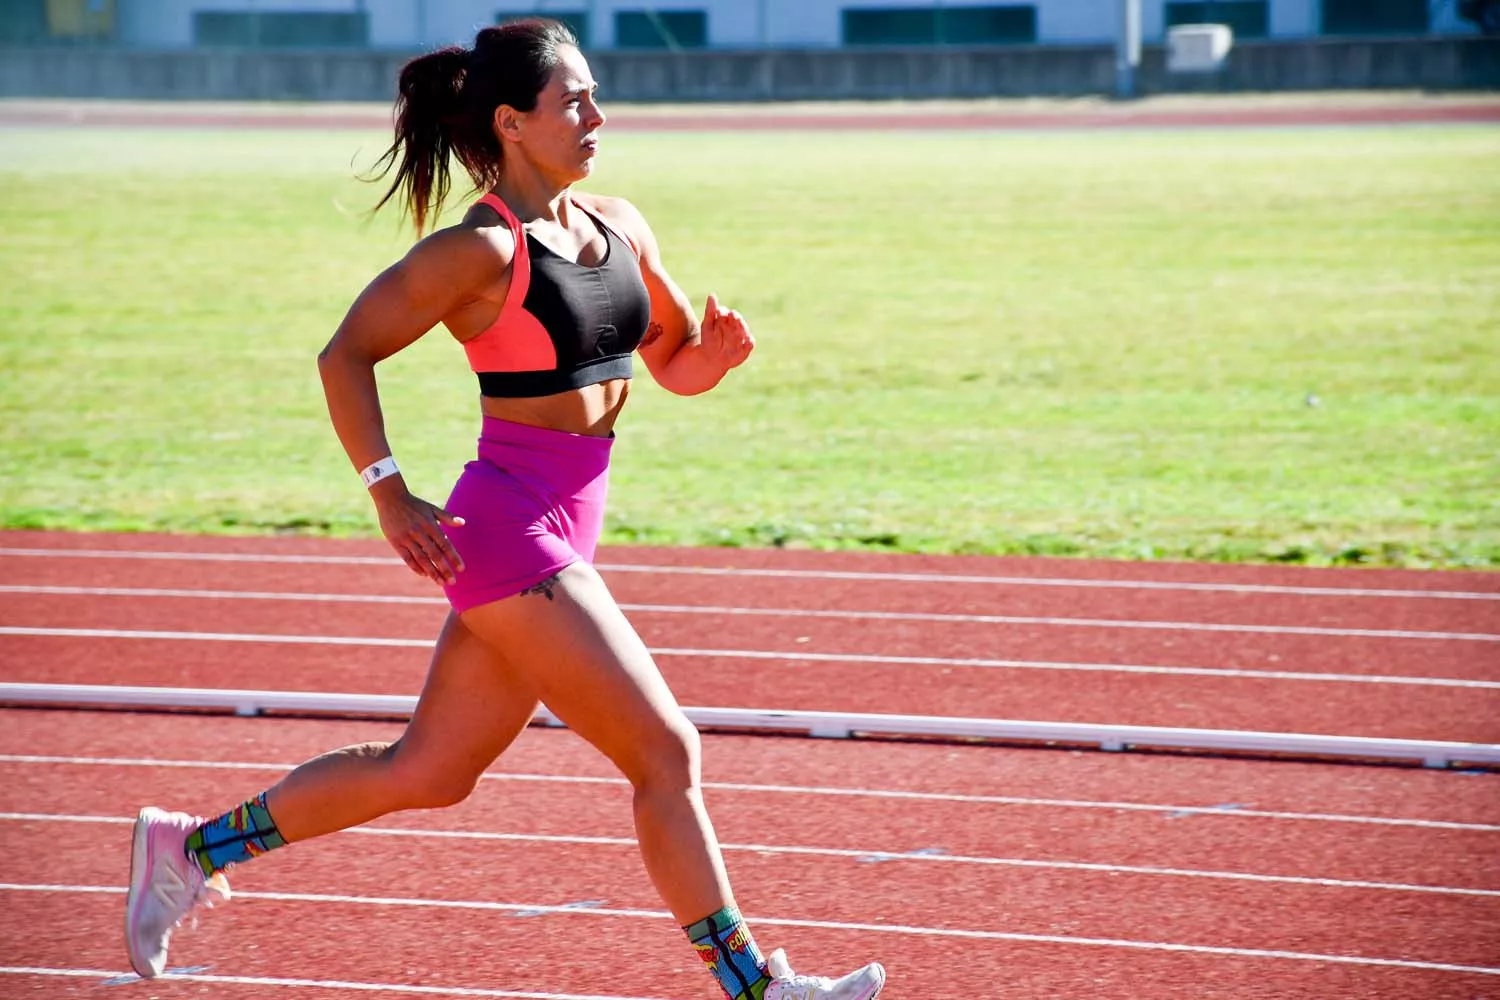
(244, 832)
(724, 943)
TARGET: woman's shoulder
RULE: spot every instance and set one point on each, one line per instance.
(482, 234)
(473, 252)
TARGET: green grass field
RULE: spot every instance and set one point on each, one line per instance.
(1235, 345)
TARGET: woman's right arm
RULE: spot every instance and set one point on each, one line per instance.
(443, 276)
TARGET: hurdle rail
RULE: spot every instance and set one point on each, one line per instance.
(830, 725)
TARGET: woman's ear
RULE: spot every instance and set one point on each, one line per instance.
(507, 123)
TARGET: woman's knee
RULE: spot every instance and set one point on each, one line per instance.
(423, 782)
(669, 760)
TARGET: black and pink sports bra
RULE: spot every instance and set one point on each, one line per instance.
(564, 325)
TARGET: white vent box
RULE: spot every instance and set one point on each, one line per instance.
(1198, 48)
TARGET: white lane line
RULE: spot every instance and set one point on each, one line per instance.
(1127, 623)
(117, 977)
(853, 854)
(704, 609)
(225, 557)
(1074, 622)
(875, 793)
(1005, 581)
(1122, 668)
(296, 640)
(902, 929)
(222, 595)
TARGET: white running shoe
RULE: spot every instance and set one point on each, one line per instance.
(165, 886)
(861, 984)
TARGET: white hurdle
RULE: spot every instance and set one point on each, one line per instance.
(832, 725)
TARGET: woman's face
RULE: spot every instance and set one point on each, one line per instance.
(560, 135)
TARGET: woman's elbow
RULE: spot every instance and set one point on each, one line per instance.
(336, 363)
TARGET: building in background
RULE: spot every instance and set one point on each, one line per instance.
(717, 24)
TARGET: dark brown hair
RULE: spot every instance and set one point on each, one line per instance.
(446, 105)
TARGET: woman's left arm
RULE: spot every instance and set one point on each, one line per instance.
(684, 354)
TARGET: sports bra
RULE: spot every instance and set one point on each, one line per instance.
(563, 325)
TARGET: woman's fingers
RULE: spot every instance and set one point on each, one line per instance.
(451, 562)
(430, 555)
(415, 530)
(410, 560)
(734, 341)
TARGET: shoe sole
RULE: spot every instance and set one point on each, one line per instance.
(140, 856)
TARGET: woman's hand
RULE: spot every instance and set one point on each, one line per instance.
(724, 335)
(414, 528)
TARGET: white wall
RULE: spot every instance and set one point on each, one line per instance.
(731, 23)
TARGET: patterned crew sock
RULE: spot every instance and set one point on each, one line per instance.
(724, 943)
(244, 832)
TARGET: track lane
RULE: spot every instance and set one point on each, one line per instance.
(506, 952)
(913, 596)
(949, 900)
(959, 837)
(377, 552)
(1247, 703)
(1118, 784)
(1397, 655)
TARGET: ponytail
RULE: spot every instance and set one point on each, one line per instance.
(430, 123)
(445, 107)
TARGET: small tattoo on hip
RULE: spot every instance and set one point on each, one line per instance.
(544, 588)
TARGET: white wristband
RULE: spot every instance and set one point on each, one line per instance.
(383, 469)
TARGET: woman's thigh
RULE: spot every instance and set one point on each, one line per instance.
(575, 649)
(473, 705)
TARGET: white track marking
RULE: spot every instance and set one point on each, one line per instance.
(856, 855)
(296, 640)
(875, 793)
(223, 595)
(1075, 622)
(762, 921)
(1005, 581)
(701, 609)
(122, 978)
(1122, 668)
(227, 557)
(1127, 623)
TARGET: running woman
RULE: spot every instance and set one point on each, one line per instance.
(551, 291)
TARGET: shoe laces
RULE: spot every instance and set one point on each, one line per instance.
(781, 972)
(215, 889)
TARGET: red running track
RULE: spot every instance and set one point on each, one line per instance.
(970, 871)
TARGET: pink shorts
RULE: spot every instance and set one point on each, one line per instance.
(532, 503)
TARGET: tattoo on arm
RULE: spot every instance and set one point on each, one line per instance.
(653, 334)
(544, 588)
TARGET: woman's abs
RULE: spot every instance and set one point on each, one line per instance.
(591, 410)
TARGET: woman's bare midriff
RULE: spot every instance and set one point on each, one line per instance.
(591, 410)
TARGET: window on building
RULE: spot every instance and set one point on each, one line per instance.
(1246, 18)
(81, 19)
(291, 29)
(667, 29)
(23, 22)
(576, 20)
(1375, 17)
(1008, 24)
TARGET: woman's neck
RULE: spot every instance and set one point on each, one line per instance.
(533, 197)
